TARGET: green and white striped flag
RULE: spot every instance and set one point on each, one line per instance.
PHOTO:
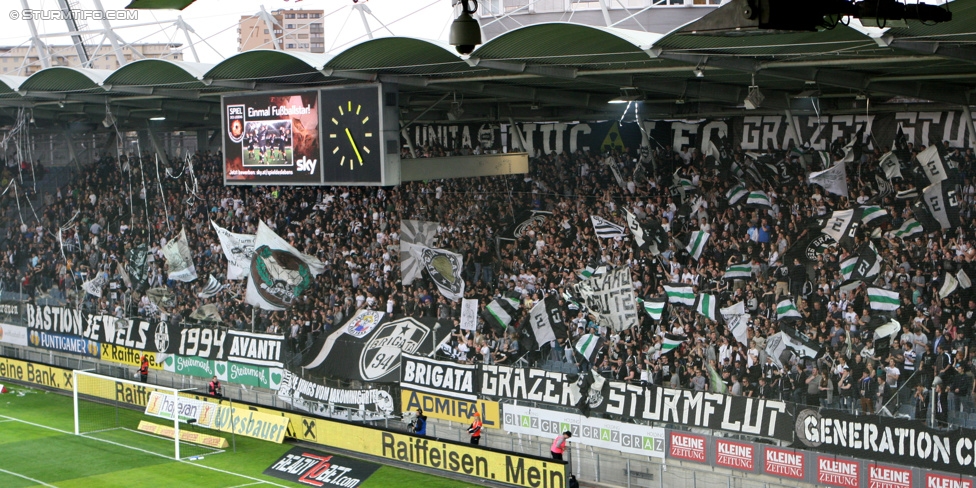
(786, 309)
(736, 193)
(909, 228)
(589, 345)
(847, 267)
(680, 293)
(654, 306)
(697, 243)
(590, 272)
(882, 299)
(871, 212)
(671, 342)
(738, 272)
(759, 198)
(706, 306)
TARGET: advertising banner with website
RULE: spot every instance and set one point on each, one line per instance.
(15, 335)
(608, 434)
(314, 468)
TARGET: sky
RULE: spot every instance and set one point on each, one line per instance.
(217, 20)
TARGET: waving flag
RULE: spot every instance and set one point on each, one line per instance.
(415, 235)
(882, 299)
(909, 228)
(943, 204)
(213, 288)
(697, 243)
(841, 226)
(736, 193)
(654, 306)
(737, 321)
(833, 179)
(605, 229)
(738, 272)
(179, 259)
(94, 286)
(706, 306)
(890, 164)
(671, 342)
(787, 309)
(279, 273)
(872, 212)
(238, 249)
(680, 293)
(499, 313)
(950, 285)
(931, 163)
(589, 346)
(759, 198)
(546, 321)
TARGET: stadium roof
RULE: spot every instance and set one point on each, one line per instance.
(547, 71)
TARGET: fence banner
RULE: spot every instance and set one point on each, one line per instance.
(231, 372)
(129, 357)
(13, 334)
(451, 408)
(445, 378)
(537, 385)
(152, 336)
(307, 395)
(608, 434)
(903, 442)
(65, 343)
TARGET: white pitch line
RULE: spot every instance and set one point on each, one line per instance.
(28, 478)
(249, 484)
(147, 452)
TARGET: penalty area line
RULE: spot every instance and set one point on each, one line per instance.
(28, 478)
(256, 480)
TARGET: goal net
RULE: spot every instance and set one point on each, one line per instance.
(153, 419)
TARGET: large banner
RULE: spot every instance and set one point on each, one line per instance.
(455, 409)
(741, 415)
(155, 336)
(446, 378)
(610, 297)
(754, 132)
(229, 372)
(65, 343)
(902, 441)
(608, 434)
(368, 347)
(272, 138)
(231, 345)
(312, 397)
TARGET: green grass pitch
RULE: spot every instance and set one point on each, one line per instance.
(38, 448)
(278, 160)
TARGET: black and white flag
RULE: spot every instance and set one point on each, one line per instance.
(179, 259)
(414, 236)
(605, 229)
(651, 238)
(833, 179)
(890, 165)
(932, 164)
(610, 298)
(842, 226)
(213, 288)
(444, 268)
(943, 203)
(547, 321)
(94, 286)
(238, 249)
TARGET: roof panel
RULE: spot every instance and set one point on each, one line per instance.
(399, 55)
(159, 72)
(564, 43)
(10, 83)
(266, 64)
(64, 78)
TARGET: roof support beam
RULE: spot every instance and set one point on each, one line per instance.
(951, 51)
(532, 69)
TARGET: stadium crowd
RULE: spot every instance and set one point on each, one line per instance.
(115, 204)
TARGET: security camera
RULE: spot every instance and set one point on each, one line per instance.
(465, 31)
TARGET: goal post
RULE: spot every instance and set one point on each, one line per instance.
(143, 417)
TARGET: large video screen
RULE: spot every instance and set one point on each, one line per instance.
(272, 138)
